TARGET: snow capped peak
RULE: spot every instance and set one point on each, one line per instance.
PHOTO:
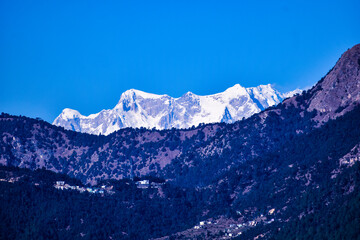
(266, 95)
(141, 109)
(292, 93)
(134, 94)
(70, 113)
(263, 88)
(129, 95)
(189, 95)
(69, 119)
(129, 92)
(236, 88)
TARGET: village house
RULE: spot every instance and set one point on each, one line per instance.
(62, 185)
(271, 211)
(59, 185)
(143, 184)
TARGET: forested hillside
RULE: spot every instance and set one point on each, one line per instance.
(289, 172)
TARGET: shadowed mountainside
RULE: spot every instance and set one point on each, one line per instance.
(298, 160)
(192, 156)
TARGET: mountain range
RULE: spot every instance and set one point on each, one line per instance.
(140, 109)
(291, 171)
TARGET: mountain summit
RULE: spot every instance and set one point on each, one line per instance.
(338, 92)
(140, 109)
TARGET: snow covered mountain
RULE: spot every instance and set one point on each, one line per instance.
(140, 109)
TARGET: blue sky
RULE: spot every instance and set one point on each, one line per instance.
(84, 54)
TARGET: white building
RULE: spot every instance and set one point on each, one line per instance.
(143, 184)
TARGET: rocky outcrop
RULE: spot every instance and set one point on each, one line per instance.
(339, 91)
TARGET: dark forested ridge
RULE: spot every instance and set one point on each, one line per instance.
(31, 208)
(191, 156)
(297, 160)
(304, 180)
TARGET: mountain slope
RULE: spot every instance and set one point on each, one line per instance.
(140, 109)
(298, 160)
(189, 157)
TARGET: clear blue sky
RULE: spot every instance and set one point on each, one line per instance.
(84, 54)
